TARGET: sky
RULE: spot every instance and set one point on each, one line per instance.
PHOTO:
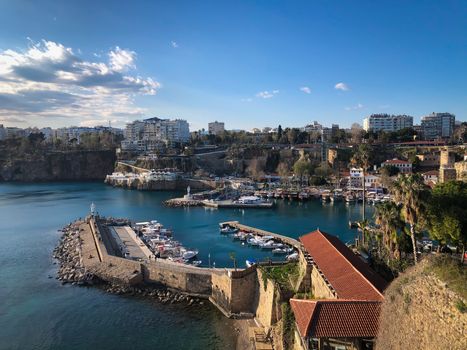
(247, 63)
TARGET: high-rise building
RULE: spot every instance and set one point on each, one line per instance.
(386, 122)
(216, 128)
(155, 133)
(438, 125)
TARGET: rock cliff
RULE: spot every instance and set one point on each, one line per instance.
(59, 166)
(422, 312)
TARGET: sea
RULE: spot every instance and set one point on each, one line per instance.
(38, 312)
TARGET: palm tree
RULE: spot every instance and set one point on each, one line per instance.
(361, 159)
(363, 227)
(388, 217)
(408, 191)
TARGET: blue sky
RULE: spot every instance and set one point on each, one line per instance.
(247, 63)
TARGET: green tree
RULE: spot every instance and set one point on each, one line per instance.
(447, 213)
(361, 159)
(409, 191)
(388, 217)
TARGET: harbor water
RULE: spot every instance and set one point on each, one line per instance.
(37, 312)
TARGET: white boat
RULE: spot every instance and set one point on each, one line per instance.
(292, 257)
(253, 241)
(189, 254)
(228, 230)
(279, 251)
(196, 262)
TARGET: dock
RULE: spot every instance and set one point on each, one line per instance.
(290, 241)
(233, 204)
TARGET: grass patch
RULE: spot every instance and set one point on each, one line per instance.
(460, 305)
(283, 275)
(288, 321)
(451, 272)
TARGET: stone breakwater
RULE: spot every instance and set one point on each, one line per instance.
(165, 296)
(181, 203)
(68, 253)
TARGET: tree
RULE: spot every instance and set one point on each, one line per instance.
(279, 133)
(256, 168)
(283, 169)
(388, 217)
(409, 191)
(232, 256)
(447, 213)
(356, 132)
(302, 167)
(361, 159)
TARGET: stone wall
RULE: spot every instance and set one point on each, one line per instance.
(234, 292)
(318, 286)
(265, 310)
(191, 280)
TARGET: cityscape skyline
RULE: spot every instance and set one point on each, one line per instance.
(278, 63)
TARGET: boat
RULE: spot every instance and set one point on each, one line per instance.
(228, 230)
(250, 262)
(196, 262)
(189, 254)
(279, 251)
(292, 257)
(253, 241)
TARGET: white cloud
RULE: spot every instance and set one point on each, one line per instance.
(48, 80)
(305, 89)
(267, 94)
(122, 60)
(341, 86)
(354, 108)
(248, 99)
(174, 44)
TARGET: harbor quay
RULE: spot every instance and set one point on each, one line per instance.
(112, 253)
(319, 271)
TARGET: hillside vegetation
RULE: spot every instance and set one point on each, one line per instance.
(426, 308)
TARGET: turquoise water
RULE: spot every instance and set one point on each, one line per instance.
(37, 312)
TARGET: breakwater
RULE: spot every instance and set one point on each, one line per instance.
(82, 253)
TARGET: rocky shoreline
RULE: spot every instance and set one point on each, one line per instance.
(71, 270)
(68, 253)
(182, 203)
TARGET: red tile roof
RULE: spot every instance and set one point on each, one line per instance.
(396, 161)
(336, 318)
(349, 275)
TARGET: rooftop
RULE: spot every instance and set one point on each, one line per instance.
(396, 161)
(348, 274)
(336, 318)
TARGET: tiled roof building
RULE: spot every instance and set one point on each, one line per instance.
(350, 296)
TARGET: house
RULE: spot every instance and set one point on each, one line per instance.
(431, 176)
(336, 324)
(355, 180)
(347, 297)
(403, 165)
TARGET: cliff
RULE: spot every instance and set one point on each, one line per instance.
(423, 311)
(58, 166)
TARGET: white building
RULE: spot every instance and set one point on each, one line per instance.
(356, 180)
(216, 128)
(438, 125)
(155, 133)
(403, 165)
(386, 122)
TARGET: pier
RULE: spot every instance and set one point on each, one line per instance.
(284, 239)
